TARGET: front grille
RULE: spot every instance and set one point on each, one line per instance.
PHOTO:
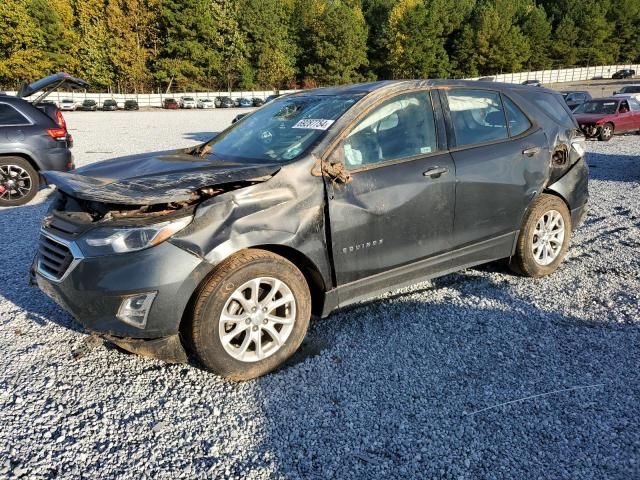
(54, 258)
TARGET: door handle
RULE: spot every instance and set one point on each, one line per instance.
(530, 152)
(435, 172)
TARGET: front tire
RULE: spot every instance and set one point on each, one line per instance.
(250, 315)
(544, 239)
(606, 132)
(19, 181)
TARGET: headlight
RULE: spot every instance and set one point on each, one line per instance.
(109, 240)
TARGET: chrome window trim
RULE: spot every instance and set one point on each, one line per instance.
(26, 117)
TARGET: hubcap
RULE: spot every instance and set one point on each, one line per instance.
(15, 182)
(548, 237)
(257, 319)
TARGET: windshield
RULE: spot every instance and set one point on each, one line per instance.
(188, 99)
(630, 89)
(279, 131)
(598, 106)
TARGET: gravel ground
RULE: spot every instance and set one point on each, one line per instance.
(479, 374)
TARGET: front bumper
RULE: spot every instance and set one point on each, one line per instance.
(590, 130)
(92, 289)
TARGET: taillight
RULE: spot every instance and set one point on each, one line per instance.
(60, 120)
(57, 133)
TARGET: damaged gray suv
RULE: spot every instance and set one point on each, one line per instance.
(222, 253)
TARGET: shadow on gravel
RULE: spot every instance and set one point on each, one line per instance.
(200, 136)
(399, 386)
(18, 244)
(616, 168)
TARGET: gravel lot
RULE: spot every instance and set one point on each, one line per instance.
(414, 384)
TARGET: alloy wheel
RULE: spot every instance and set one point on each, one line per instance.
(548, 237)
(257, 319)
(15, 182)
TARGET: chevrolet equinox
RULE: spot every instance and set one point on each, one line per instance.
(222, 252)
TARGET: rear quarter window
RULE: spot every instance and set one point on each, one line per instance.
(10, 116)
(554, 107)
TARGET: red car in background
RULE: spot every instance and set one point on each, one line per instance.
(601, 118)
(170, 103)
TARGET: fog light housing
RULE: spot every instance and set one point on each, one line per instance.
(134, 309)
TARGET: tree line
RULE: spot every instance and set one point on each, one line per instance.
(186, 45)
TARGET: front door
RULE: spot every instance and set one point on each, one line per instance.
(398, 206)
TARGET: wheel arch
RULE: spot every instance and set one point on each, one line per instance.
(24, 155)
(311, 272)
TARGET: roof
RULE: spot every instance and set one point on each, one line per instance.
(365, 88)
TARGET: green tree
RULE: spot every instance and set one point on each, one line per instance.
(21, 45)
(492, 42)
(537, 29)
(333, 41)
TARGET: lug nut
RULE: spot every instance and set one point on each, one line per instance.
(264, 321)
(264, 309)
(247, 321)
(255, 328)
(254, 309)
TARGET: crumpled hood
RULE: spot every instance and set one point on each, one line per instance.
(151, 178)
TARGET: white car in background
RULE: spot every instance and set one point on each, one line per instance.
(206, 103)
(68, 104)
(632, 91)
(188, 102)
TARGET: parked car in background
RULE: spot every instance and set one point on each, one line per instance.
(245, 102)
(170, 103)
(131, 105)
(33, 138)
(257, 101)
(624, 73)
(188, 102)
(629, 90)
(575, 98)
(68, 104)
(270, 98)
(110, 105)
(239, 117)
(88, 106)
(602, 118)
(532, 83)
(224, 102)
(313, 202)
(206, 103)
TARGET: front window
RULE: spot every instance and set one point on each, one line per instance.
(402, 127)
(598, 107)
(280, 131)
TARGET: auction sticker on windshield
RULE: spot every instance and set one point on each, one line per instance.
(314, 123)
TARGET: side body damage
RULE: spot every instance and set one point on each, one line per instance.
(352, 232)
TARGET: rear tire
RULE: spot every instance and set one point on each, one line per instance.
(19, 181)
(250, 315)
(606, 132)
(544, 238)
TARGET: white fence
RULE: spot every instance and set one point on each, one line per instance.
(564, 75)
(151, 99)
(156, 99)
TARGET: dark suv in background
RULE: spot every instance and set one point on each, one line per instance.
(33, 138)
(314, 201)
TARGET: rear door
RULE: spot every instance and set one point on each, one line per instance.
(398, 206)
(501, 161)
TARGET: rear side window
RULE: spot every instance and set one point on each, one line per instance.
(477, 116)
(401, 127)
(554, 107)
(10, 116)
(518, 121)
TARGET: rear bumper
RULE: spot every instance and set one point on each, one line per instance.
(58, 159)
